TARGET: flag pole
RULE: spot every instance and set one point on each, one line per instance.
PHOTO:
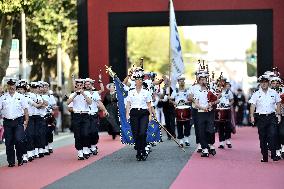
(170, 65)
(169, 134)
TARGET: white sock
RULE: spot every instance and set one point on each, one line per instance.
(80, 153)
(278, 152)
(205, 150)
(36, 151)
(85, 150)
(40, 151)
(212, 147)
(25, 157)
(228, 141)
(93, 147)
(282, 148)
(222, 143)
(186, 139)
(50, 146)
(30, 154)
(199, 146)
(180, 141)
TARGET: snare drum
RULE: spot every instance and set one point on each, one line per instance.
(223, 114)
(183, 113)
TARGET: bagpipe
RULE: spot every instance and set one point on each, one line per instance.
(50, 120)
(282, 98)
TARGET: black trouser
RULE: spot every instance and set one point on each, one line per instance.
(281, 131)
(14, 137)
(183, 129)
(81, 126)
(195, 123)
(224, 130)
(170, 123)
(206, 128)
(267, 131)
(94, 130)
(139, 120)
(240, 115)
(30, 134)
(50, 123)
(40, 130)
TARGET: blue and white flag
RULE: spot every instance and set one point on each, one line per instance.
(177, 65)
(125, 128)
(153, 130)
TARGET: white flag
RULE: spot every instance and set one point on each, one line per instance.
(177, 65)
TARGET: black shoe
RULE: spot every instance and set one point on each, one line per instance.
(41, 155)
(11, 165)
(264, 160)
(86, 156)
(113, 136)
(50, 151)
(80, 158)
(282, 155)
(138, 157)
(199, 150)
(30, 159)
(229, 145)
(25, 161)
(221, 147)
(187, 144)
(46, 153)
(20, 163)
(212, 151)
(144, 157)
(204, 154)
(95, 152)
(276, 158)
(181, 145)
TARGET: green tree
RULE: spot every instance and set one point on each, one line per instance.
(9, 9)
(251, 54)
(42, 30)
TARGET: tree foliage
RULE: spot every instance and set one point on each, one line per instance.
(152, 43)
(251, 54)
(10, 9)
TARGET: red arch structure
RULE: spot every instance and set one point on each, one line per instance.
(96, 38)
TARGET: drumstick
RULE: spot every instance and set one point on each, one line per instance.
(169, 133)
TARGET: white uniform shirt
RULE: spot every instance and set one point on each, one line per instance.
(201, 97)
(94, 106)
(139, 100)
(179, 95)
(12, 107)
(194, 91)
(79, 102)
(31, 98)
(265, 102)
(38, 100)
(225, 98)
(43, 111)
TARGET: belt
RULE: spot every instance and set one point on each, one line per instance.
(138, 109)
(271, 114)
(5, 119)
(81, 112)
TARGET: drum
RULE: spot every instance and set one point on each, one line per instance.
(183, 113)
(223, 114)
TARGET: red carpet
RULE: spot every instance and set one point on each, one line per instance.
(236, 168)
(62, 162)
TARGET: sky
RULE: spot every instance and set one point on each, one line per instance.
(224, 41)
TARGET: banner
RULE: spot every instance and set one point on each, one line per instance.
(177, 65)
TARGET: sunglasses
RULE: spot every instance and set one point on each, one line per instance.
(138, 79)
